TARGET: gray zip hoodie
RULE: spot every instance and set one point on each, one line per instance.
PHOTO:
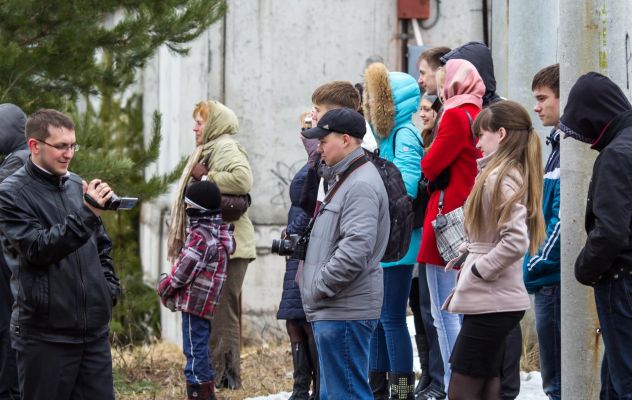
(341, 277)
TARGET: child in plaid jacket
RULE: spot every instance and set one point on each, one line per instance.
(196, 281)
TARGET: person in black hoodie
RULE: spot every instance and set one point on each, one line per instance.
(63, 280)
(14, 151)
(597, 112)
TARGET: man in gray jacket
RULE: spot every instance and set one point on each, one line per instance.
(341, 280)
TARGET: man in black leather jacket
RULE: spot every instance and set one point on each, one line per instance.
(597, 112)
(62, 274)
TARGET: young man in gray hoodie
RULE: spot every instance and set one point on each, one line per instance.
(341, 280)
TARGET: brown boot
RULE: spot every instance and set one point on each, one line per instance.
(201, 391)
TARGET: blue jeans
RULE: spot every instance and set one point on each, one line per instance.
(613, 297)
(391, 348)
(195, 335)
(435, 362)
(343, 352)
(440, 284)
(547, 324)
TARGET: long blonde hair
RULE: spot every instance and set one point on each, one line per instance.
(520, 150)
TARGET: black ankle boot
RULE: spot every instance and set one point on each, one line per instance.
(402, 386)
(302, 371)
(422, 350)
(379, 385)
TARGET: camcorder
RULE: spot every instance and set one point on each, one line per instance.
(115, 203)
(294, 246)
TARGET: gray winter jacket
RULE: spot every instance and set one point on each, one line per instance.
(341, 277)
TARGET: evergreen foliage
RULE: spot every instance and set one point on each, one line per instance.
(51, 51)
(60, 53)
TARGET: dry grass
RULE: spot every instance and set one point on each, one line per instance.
(530, 357)
(154, 372)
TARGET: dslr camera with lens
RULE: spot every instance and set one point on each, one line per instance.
(293, 245)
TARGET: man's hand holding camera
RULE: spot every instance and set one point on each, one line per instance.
(100, 192)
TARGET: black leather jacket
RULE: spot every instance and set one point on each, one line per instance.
(58, 253)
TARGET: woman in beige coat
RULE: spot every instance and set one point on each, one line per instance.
(227, 165)
(503, 220)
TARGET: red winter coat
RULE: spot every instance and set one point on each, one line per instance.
(452, 148)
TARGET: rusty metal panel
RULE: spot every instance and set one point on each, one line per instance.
(413, 9)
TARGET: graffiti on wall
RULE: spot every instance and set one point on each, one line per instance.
(283, 174)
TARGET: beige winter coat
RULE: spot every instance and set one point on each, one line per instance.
(228, 167)
(230, 170)
(497, 254)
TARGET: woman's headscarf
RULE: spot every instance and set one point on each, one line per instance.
(463, 85)
(221, 120)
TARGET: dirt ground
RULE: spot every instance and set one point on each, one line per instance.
(154, 372)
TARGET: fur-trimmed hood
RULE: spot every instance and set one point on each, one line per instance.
(390, 98)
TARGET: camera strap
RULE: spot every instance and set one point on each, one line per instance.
(355, 164)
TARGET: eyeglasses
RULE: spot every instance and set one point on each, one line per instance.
(62, 147)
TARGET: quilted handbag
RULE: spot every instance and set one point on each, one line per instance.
(449, 231)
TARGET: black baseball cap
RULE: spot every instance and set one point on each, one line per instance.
(339, 120)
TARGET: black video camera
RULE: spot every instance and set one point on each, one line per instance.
(295, 246)
(114, 203)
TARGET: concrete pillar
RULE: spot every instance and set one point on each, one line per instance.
(592, 37)
(532, 32)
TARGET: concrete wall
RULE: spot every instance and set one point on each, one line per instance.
(264, 60)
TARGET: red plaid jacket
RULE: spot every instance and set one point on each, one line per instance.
(197, 277)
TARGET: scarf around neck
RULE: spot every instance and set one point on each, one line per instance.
(221, 121)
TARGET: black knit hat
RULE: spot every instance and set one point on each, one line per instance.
(204, 195)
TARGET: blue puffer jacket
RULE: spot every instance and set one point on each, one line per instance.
(408, 147)
(543, 269)
(291, 306)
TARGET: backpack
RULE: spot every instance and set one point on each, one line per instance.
(400, 207)
(419, 209)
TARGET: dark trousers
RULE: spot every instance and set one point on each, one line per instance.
(63, 371)
(548, 325)
(225, 342)
(435, 362)
(8, 369)
(613, 297)
(510, 375)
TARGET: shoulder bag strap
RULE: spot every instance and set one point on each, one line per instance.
(355, 164)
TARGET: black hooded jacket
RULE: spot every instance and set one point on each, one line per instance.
(598, 112)
(481, 57)
(15, 153)
(59, 254)
(12, 140)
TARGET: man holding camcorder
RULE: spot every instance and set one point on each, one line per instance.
(63, 280)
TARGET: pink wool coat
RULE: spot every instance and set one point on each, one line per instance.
(497, 254)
